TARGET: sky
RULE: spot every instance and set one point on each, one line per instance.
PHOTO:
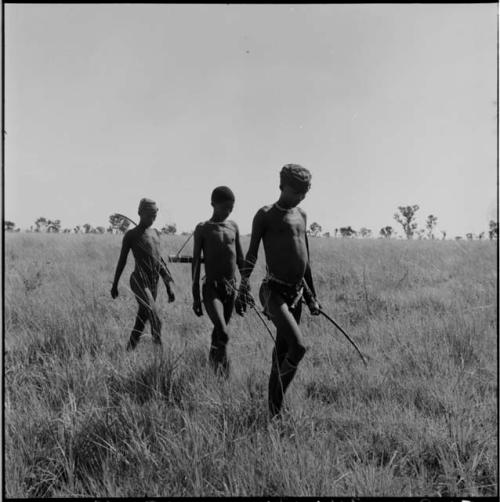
(387, 105)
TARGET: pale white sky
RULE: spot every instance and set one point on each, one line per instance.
(387, 105)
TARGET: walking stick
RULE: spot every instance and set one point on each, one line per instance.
(308, 293)
(344, 333)
(251, 301)
(252, 304)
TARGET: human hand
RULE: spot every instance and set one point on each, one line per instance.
(197, 308)
(240, 305)
(243, 299)
(314, 306)
(114, 292)
(171, 295)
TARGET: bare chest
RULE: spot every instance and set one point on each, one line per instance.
(289, 224)
(220, 235)
(147, 243)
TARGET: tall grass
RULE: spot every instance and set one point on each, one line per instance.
(85, 418)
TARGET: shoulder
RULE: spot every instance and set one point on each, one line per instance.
(232, 224)
(199, 228)
(129, 237)
(262, 214)
(130, 234)
(152, 232)
(263, 211)
(302, 213)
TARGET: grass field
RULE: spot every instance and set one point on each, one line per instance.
(85, 418)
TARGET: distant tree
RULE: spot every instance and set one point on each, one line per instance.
(443, 233)
(420, 234)
(406, 217)
(100, 230)
(77, 229)
(430, 224)
(386, 232)
(54, 226)
(481, 236)
(87, 228)
(493, 231)
(469, 236)
(326, 234)
(169, 229)
(118, 223)
(9, 226)
(315, 229)
(67, 231)
(186, 233)
(41, 224)
(458, 237)
(365, 232)
(347, 232)
(336, 232)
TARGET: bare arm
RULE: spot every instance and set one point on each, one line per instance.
(165, 273)
(239, 251)
(253, 248)
(167, 280)
(308, 273)
(195, 269)
(122, 261)
(249, 263)
(309, 292)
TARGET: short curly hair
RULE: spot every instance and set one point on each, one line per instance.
(296, 176)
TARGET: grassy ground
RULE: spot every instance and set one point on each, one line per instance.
(85, 418)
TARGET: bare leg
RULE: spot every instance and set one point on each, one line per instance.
(137, 330)
(289, 349)
(275, 386)
(220, 314)
(154, 318)
(147, 311)
(228, 306)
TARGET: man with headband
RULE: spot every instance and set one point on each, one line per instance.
(144, 242)
(219, 240)
(282, 228)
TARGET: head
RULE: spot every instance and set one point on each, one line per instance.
(147, 212)
(222, 201)
(295, 182)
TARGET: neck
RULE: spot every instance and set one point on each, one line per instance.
(216, 218)
(282, 205)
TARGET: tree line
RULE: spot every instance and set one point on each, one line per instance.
(406, 217)
(117, 225)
